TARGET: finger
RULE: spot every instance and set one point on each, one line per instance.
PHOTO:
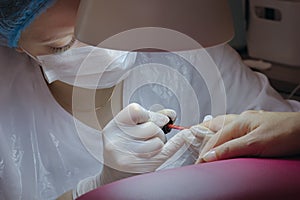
(175, 143)
(148, 148)
(207, 118)
(235, 148)
(128, 146)
(173, 146)
(229, 132)
(158, 118)
(219, 122)
(170, 113)
(132, 114)
(196, 142)
(188, 136)
(142, 132)
(201, 131)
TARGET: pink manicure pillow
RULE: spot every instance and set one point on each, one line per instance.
(241, 178)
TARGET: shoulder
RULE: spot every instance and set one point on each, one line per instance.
(6, 53)
(14, 64)
(223, 53)
(10, 59)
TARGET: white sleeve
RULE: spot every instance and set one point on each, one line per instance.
(246, 89)
(86, 185)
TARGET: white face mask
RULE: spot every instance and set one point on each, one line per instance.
(88, 67)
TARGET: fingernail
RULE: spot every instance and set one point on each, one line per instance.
(158, 118)
(207, 118)
(210, 156)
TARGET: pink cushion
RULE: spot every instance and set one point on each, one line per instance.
(242, 178)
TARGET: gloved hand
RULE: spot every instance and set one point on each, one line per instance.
(201, 135)
(134, 143)
(196, 137)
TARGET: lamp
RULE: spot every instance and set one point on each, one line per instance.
(173, 25)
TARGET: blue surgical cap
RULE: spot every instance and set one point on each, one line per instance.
(16, 15)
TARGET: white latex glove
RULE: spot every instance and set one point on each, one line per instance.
(134, 143)
(200, 136)
(197, 136)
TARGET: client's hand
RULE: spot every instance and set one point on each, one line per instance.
(253, 133)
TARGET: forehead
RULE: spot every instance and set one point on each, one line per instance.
(55, 22)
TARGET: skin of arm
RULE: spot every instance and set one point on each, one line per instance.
(253, 133)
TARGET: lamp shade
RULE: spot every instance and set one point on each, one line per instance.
(172, 25)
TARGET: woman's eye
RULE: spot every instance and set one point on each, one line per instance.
(63, 48)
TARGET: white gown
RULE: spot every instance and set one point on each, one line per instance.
(41, 154)
(229, 88)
